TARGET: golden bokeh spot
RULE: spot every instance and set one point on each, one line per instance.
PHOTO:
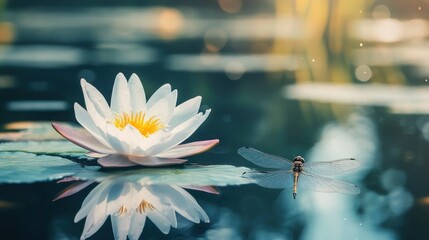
(138, 120)
(169, 23)
(7, 31)
(144, 206)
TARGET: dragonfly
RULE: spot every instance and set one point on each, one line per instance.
(284, 173)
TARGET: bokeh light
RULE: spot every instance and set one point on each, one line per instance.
(230, 6)
(363, 73)
(215, 39)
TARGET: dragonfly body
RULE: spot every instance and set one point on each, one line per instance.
(299, 175)
(297, 168)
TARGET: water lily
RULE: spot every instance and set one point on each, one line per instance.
(130, 203)
(133, 131)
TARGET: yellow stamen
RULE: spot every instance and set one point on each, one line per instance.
(145, 126)
(143, 206)
(122, 210)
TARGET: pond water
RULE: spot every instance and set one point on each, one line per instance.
(321, 79)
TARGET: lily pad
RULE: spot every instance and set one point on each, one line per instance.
(21, 167)
(26, 131)
(57, 147)
(196, 175)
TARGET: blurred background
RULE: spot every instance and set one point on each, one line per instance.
(324, 79)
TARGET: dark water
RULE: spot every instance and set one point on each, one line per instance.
(316, 79)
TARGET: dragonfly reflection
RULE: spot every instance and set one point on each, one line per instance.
(297, 174)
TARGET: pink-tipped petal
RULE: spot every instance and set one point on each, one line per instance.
(207, 189)
(72, 189)
(81, 138)
(114, 160)
(189, 149)
(155, 161)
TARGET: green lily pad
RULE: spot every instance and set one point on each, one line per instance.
(216, 175)
(51, 147)
(21, 167)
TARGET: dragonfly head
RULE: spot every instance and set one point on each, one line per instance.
(299, 158)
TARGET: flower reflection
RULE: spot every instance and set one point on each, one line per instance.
(130, 203)
(133, 131)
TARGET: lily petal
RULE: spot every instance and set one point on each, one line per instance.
(88, 204)
(68, 179)
(177, 202)
(115, 161)
(96, 100)
(189, 149)
(84, 119)
(192, 201)
(170, 214)
(155, 161)
(121, 100)
(164, 108)
(137, 224)
(96, 216)
(179, 134)
(118, 196)
(92, 225)
(154, 139)
(191, 124)
(135, 140)
(82, 139)
(72, 189)
(181, 201)
(159, 94)
(88, 103)
(160, 221)
(118, 140)
(185, 111)
(137, 94)
(120, 226)
(121, 197)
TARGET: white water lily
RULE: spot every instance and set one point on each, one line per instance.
(129, 204)
(133, 131)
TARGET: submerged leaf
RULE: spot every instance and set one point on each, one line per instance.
(20, 167)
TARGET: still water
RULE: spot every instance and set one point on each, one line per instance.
(321, 79)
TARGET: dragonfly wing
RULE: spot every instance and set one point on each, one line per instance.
(323, 184)
(274, 179)
(332, 167)
(264, 160)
